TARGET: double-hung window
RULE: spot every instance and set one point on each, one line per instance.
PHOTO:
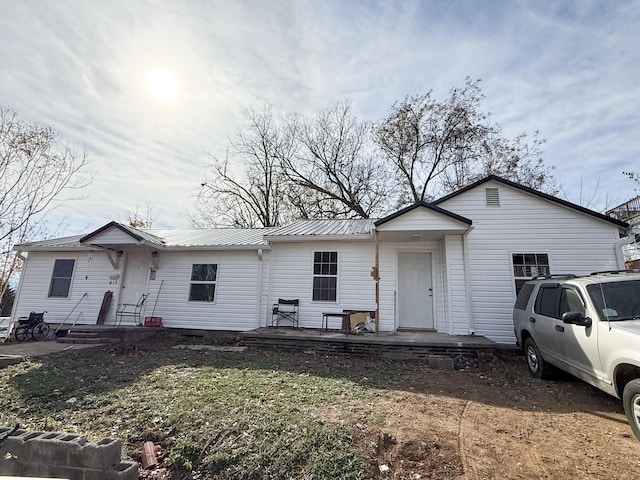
(529, 265)
(204, 277)
(61, 278)
(325, 276)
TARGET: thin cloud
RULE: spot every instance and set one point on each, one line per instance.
(567, 69)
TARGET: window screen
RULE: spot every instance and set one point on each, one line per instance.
(527, 266)
(203, 282)
(61, 278)
(325, 276)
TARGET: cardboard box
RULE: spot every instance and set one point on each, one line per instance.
(356, 318)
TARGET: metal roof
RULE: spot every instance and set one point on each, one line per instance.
(200, 238)
(325, 228)
(64, 242)
(218, 237)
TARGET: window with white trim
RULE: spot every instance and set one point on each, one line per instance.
(325, 276)
(529, 265)
(61, 278)
(204, 277)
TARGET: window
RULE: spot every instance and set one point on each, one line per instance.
(547, 300)
(529, 265)
(203, 282)
(61, 278)
(325, 276)
(523, 296)
(571, 301)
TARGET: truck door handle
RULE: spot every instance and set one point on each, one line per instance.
(532, 319)
(560, 328)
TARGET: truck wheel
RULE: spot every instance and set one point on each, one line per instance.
(631, 402)
(538, 368)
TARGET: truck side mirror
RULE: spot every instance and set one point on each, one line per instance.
(576, 318)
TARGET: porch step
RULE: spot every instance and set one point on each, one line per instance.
(97, 334)
(87, 340)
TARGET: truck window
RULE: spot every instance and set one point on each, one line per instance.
(570, 301)
(547, 301)
(523, 297)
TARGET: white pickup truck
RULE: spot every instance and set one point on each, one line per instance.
(588, 326)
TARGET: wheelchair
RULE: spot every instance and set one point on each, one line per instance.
(32, 327)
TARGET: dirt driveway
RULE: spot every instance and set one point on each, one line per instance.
(497, 422)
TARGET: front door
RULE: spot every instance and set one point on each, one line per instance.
(415, 291)
(136, 272)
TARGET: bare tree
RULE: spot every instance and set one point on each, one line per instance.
(140, 219)
(335, 169)
(36, 170)
(247, 188)
(635, 176)
(437, 147)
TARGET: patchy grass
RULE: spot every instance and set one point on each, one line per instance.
(228, 415)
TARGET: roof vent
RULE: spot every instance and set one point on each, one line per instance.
(492, 197)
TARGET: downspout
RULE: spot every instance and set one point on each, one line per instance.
(376, 276)
(467, 280)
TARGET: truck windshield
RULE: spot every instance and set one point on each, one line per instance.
(616, 300)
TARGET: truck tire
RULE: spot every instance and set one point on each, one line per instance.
(538, 367)
(631, 402)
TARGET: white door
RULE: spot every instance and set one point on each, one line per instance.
(136, 273)
(415, 291)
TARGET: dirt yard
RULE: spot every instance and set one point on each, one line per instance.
(488, 420)
(496, 422)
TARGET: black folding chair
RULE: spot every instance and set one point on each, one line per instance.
(131, 310)
(285, 311)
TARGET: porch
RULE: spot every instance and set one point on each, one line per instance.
(391, 345)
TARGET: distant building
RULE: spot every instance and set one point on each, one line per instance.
(630, 212)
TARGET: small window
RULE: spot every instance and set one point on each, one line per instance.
(547, 300)
(571, 301)
(523, 297)
(203, 282)
(61, 278)
(492, 197)
(325, 276)
(527, 266)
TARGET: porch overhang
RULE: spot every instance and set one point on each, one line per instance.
(421, 222)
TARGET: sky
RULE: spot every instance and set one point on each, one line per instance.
(568, 69)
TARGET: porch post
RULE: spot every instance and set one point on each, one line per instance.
(377, 277)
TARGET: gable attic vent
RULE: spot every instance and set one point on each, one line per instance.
(492, 197)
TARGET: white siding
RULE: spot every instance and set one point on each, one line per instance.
(291, 277)
(575, 242)
(236, 298)
(112, 236)
(457, 290)
(90, 276)
(422, 219)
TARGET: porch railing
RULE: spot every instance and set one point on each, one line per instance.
(627, 210)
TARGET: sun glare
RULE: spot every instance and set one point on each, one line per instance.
(161, 85)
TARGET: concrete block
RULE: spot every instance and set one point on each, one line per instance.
(64, 455)
(441, 362)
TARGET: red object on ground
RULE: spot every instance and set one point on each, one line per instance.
(152, 321)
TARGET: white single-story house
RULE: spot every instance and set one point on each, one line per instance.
(451, 266)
